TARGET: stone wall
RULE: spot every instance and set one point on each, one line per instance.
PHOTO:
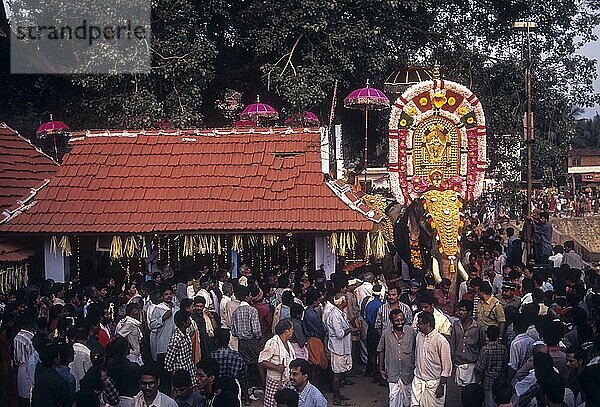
(585, 232)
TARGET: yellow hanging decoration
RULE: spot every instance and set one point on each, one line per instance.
(252, 240)
(269, 240)
(188, 245)
(237, 244)
(65, 246)
(368, 249)
(130, 246)
(452, 264)
(342, 247)
(212, 243)
(202, 244)
(53, 245)
(144, 252)
(380, 245)
(334, 242)
(116, 248)
(219, 247)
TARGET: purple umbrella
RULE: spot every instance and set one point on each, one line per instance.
(259, 111)
(305, 118)
(52, 128)
(366, 99)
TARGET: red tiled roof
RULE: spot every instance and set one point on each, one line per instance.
(190, 181)
(23, 167)
(11, 251)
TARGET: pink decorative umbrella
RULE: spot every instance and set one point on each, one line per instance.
(52, 128)
(305, 118)
(259, 111)
(366, 99)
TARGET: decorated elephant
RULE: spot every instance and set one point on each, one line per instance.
(421, 246)
(437, 159)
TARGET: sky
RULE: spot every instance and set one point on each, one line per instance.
(592, 50)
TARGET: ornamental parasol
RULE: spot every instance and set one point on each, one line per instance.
(400, 80)
(259, 111)
(366, 99)
(53, 128)
(305, 118)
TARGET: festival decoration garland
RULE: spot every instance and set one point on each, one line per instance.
(454, 105)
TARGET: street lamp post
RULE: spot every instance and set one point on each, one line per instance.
(527, 27)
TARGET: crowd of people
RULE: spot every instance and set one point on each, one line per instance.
(513, 333)
(499, 206)
(567, 204)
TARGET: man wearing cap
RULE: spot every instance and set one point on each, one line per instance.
(507, 296)
(490, 311)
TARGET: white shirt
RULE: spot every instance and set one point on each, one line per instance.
(520, 350)
(442, 323)
(362, 291)
(462, 289)
(161, 331)
(81, 362)
(161, 400)
(224, 300)
(22, 350)
(327, 308)
(556, 259)
(336, 325)
(499, 263)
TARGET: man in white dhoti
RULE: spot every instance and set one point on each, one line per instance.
(466, 342)
(433, 364)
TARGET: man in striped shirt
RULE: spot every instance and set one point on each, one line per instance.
(393, 302)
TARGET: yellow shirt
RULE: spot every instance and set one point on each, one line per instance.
(490, 312)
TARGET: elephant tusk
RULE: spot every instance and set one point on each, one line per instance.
(435, 266)
(461, 270)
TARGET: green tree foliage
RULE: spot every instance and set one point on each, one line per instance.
(292, 52)
(587, 133)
